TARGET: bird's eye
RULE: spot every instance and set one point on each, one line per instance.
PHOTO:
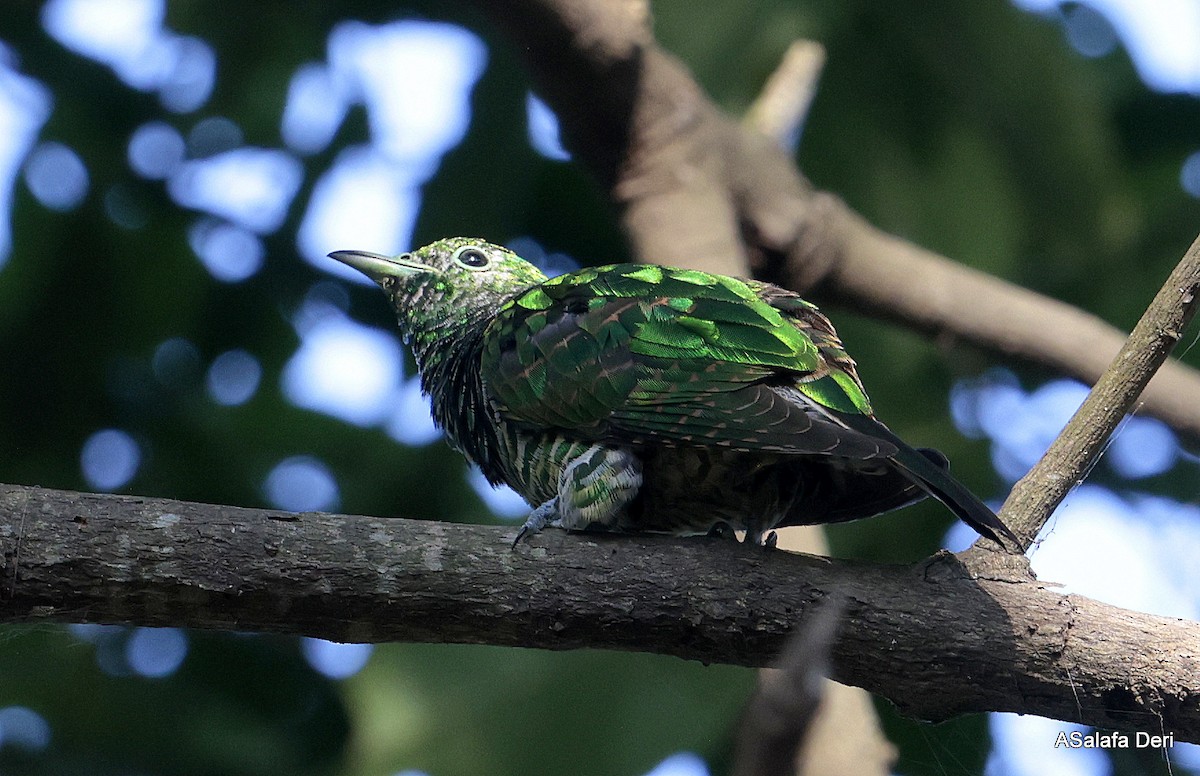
(471, 258)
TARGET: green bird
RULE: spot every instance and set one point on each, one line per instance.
(635, 397)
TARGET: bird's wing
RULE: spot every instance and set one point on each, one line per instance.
(927, 469)
(640, 353)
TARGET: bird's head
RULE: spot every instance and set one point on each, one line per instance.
(447, 284)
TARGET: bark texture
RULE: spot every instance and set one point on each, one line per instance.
(938, 638)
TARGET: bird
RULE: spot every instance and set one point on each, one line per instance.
(640, 398)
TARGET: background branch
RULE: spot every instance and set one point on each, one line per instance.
(695, 187)
(938, 639)
(785, 705)
(780, 109)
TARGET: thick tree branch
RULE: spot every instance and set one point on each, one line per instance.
(695, 187)
(937, 638)
(1077, 448)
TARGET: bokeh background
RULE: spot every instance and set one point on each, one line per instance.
(172, 176)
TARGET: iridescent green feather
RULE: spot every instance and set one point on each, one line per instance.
(658, 353)
(840, 388)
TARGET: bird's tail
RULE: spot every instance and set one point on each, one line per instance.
(961, 501)
(938, 482)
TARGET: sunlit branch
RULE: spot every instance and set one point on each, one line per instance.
(938, 638)
(1077, 448)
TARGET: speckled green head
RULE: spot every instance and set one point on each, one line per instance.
(452, 282)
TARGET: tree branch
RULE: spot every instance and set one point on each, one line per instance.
(785, 705)
(696, 188)
(780, 110)
(1074, 452)
(938, 638)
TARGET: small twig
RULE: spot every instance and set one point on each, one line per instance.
(780, 109)
(781, 710)
(1077, 448)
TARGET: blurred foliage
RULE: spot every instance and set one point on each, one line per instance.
(970, 128)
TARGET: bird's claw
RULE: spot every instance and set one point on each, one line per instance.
(538, 519)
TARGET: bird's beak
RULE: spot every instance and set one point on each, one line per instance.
(377, 267)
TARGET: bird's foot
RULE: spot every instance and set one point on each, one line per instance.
(546, 514)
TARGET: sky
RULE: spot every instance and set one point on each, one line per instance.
(1137, 547)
